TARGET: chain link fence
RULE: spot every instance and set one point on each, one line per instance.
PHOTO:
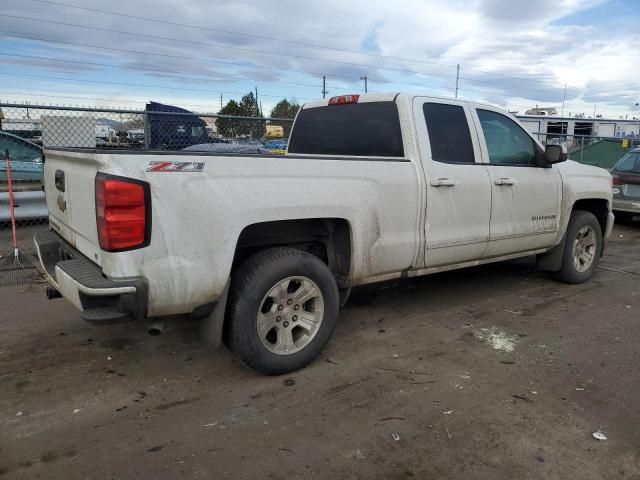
(599, 151)
(26, 129)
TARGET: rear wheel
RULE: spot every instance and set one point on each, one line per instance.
(284, 305)
(582, 249)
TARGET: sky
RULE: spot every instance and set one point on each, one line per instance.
(512, 53)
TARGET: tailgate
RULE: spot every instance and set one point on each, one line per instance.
(69, 182)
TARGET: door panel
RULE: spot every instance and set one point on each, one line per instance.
(525, 198)
(524, 213)
(458, 194)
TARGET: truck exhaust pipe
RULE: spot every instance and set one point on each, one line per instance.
(52, 293)
(156, 328)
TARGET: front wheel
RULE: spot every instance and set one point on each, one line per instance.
(582, 248)
(283, 309)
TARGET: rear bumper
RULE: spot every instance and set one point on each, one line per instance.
(627, 206)
(101, 300)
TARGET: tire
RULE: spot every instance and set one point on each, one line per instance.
(272, 326)
(583, 241)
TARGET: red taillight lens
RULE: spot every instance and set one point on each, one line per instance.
(341, 100)
(121, 213)
(615, 180)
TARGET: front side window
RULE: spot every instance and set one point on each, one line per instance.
(449, 135)
(197, 131)
(507, 142)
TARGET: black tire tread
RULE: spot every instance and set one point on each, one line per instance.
(567, 273)
(241, 283)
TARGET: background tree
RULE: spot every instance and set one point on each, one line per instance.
(228, 127)
(250, 108)
(285, 109)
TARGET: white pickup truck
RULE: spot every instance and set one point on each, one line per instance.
(266, 248)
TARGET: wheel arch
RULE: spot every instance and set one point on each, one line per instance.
(551, 261)
(599, 207)
(329, 239)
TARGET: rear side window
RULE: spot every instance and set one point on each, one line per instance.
(449, 135)
(353, 129)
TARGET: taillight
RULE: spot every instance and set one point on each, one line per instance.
(341, 100)
(121, 213)
(615, 179)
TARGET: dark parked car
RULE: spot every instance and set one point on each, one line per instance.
(626, 185)
(177, 131)
(26, 172)
(26, 158)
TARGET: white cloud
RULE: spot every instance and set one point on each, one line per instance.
(510, 52)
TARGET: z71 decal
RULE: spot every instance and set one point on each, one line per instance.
(175, 167)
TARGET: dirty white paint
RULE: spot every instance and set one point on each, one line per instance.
(399, 222)
(497, 339)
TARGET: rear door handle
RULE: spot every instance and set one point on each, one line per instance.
(504, 181)
(442, 182)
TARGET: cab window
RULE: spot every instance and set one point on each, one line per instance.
(507, 142)
(449, 135)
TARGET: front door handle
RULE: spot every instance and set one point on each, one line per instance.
(442, 182)
(504, 181)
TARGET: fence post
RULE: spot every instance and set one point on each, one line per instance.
(581, 148)
(147, 131)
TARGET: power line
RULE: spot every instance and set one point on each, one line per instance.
(243, 34)
(181, 72)
(220, 45)
(275, 39)
(12, 34)
(464, 88)
(139, 85)
(166, 55)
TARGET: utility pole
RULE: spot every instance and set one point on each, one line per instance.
(365, 83)
(594, 111)
(564, 96)
(457, 78)
(257, 112)
(324, 86)
(220, 101)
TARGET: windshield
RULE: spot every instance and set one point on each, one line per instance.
(25, 159)
(630, 163)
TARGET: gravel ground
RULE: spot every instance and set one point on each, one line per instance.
(493, 372)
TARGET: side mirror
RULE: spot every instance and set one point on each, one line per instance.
(555, 154)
